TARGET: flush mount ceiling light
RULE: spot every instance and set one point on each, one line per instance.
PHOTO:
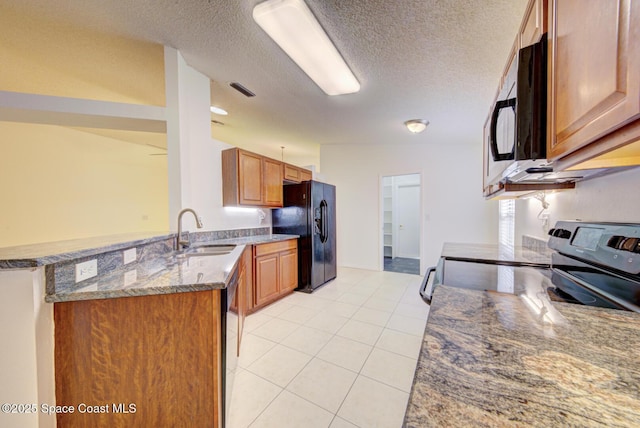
(416, 125)
(293, 27)
(218, 110)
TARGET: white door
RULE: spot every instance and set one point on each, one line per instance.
(408, 209)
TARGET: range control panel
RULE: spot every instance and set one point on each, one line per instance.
(614, 245)
(625, 243)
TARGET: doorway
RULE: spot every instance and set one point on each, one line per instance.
(401, 203)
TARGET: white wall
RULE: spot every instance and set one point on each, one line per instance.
(453, 208)
(195, 165)
(26, 363)
(65, 183)
(610, 198)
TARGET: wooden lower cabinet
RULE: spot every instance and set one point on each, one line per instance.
(242, 302)
(145, 361)
(275, 272)
(245, 280)
(288, 270)
(267, 284)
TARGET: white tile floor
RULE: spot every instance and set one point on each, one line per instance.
(343, 356)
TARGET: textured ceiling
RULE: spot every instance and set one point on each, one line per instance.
(438, 60)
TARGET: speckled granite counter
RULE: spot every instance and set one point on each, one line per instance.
(496, 253)
(488, 360)
(168, 273)
(33, 255)
(161, 275)
(156, 270)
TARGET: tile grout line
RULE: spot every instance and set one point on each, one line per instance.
(373, 346)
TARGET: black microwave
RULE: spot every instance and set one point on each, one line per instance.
(517, 134)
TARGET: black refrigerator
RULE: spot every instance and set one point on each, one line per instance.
(310, 211)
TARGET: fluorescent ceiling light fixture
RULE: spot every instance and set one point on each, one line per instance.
(218, 110)
(416, 125)
(293, 27)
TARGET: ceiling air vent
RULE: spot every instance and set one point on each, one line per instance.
(244, 91)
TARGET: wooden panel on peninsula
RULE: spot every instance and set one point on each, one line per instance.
(151, 360)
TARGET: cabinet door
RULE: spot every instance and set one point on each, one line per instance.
(288, 270)
(266, 284)
(534, 24)
(250, 177)
(241, 298)
(272, 195)
(291, 173)
(116, 351)
(305, 175)
(594, 69)
(248, 284)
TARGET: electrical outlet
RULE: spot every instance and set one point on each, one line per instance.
(129, 256)
(86, 270)
(130, 277)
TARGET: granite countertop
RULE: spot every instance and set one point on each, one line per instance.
(493, 359)
(495, 253)
(250, 240)
(161, 275)
(160, 270)
(168, 273)
(42, 254)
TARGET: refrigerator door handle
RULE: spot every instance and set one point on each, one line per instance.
(317, 219)
(323, 222)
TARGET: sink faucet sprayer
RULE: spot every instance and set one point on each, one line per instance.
(181, 243)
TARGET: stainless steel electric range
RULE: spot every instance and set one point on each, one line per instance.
(594, 264)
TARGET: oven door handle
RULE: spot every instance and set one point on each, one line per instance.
(423, 289)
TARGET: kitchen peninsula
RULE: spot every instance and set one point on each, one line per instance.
(147, 328)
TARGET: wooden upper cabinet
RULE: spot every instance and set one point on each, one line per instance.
(250, 176)
(291, 173)
(305, 174)
(534, 24)
(249, 179)
(594, 74)
(272, 190)
(253, 180)
(295, 174)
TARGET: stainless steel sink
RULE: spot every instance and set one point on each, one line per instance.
(205, 250)
(213, 249)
